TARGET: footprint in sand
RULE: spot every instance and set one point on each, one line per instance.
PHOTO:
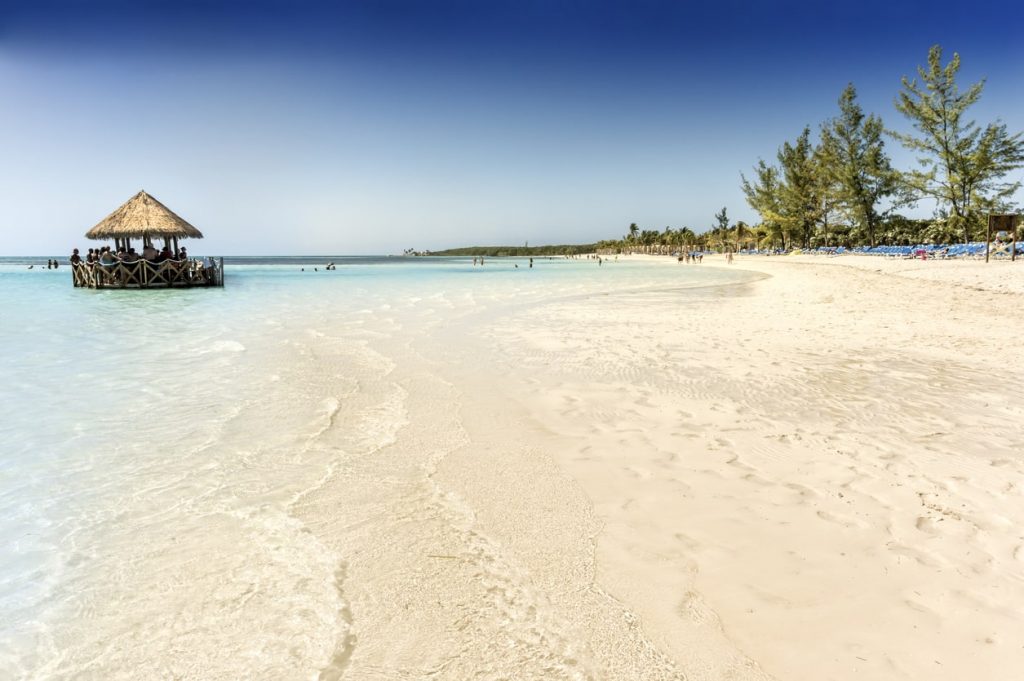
(757, 480)
(692, 608)
(927, 525)
(639, 473)
(748, 471)
(920, 557)
(845, 522)
(803, 491)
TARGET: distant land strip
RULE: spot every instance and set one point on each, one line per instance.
(502, 251)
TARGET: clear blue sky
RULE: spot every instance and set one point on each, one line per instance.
(369, 127)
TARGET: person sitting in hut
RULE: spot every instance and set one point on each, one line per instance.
(107, 260)
(165, 254)
(150, 253)
(130, 256)
(182, 263)
(75, 258)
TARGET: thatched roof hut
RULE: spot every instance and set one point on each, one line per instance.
(144, 217)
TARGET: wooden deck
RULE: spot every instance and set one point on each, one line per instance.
(145, 274)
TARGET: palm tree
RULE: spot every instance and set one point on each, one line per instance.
(687, 236)
(666, 240)
(634, 231)
(741, 228)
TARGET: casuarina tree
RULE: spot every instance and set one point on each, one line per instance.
(963, 166)
(856, 165)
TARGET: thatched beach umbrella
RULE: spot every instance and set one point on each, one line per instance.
(144, 217)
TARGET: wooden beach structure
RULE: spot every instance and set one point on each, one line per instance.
(1006, 222)
(143, 217)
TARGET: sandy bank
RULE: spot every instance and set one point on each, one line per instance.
(812, 475)
(816, 475)
(997, 276)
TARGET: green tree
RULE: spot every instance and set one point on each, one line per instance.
(687, 236)
(742, 233)
(667, 239)
(856, 167)
(798, 195)
(721, 225)
(648, 238)
(828, 188)
(763, 195)
(963, 166)
(632, 235)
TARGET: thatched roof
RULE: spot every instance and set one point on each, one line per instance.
(142, 215)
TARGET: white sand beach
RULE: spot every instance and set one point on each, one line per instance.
(817, 475)
(560, 473)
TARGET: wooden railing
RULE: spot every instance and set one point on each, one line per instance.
(145, 274)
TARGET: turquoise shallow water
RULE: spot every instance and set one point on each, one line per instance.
(154, 442)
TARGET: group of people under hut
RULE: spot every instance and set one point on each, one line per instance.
(105, 256)
(163, 260)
